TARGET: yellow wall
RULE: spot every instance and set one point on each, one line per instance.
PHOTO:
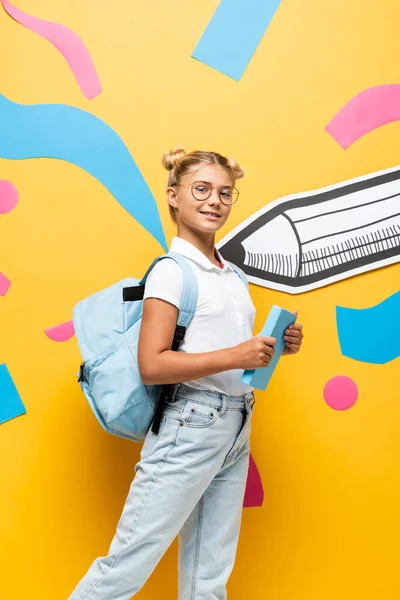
(329, 527)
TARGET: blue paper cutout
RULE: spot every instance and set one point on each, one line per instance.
(233, 35)
(11, 405)
(76, 136)
(371, 334)
(275, 326)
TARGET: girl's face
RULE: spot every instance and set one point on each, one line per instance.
(192, 207)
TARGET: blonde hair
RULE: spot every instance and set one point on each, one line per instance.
(178, 163)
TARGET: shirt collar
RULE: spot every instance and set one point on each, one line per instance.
(189, 251)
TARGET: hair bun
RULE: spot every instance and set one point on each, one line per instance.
(237, 170)
(170, 158)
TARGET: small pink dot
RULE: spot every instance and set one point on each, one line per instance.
(340, 392)
(8, 196)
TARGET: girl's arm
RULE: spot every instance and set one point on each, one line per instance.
(158, 364)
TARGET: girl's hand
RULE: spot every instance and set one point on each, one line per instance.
(293, 338)
(255, 353)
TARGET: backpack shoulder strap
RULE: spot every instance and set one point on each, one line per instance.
(189, 287)
(238, 272)
(185, 316)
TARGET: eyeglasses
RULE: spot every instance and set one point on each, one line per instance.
(202, 190)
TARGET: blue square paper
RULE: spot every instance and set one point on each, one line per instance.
(233, 35)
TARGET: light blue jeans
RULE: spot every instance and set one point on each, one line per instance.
(190, 481)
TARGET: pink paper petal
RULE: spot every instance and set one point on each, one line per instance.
(254, 495)
(340, 392)
(8, 196)
(4, 284)
(369, 110)
(61, 333)
(68, 43)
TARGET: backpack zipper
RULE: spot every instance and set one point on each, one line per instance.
(82, 373)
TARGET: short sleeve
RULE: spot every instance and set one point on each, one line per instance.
(165, 282)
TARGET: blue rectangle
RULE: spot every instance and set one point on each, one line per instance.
(277, 322)
(233, 35)
(11, 405)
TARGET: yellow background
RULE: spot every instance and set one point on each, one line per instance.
(329, 527)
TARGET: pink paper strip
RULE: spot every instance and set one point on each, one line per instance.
(4, 284)
(254, 495)
(68, 43)
(369, 110)
(61, 333)
(8, 196)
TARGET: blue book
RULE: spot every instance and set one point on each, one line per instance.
(275, 326)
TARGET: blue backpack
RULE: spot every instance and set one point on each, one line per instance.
(107, 326)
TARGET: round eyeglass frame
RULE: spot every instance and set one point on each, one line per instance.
(211, 191)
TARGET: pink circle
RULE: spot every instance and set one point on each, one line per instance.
(340, 392)
(8, 196)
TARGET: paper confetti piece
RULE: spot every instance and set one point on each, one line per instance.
(4, 284)
(78, 137)
(340, 392)
(233, 35)
(61, 333)
(254, 495)
(382, 344)
(69, 45)
(11, 405)
(8, 196)
(368, 110)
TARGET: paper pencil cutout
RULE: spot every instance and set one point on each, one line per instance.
(305, 241)
(277, 322)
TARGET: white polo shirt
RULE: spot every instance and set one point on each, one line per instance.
(224, 314)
